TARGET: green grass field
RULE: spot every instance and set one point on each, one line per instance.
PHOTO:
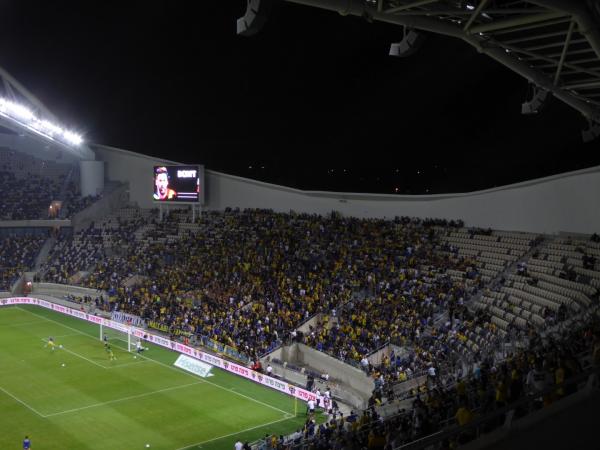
(94, 403)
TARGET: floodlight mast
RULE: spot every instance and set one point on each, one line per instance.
(24, 113)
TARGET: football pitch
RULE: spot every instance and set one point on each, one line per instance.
(75, 398)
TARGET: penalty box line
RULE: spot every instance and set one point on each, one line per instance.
(63, 348)
(199, 444)
(167, 366)
(31, 408)
(123, 399)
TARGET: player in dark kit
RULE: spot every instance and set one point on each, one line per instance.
(26, 443)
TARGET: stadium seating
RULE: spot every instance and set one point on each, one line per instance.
(17, 254)
(454, 299)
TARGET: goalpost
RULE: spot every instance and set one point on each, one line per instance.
(115, 335)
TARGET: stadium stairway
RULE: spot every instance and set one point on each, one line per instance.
(493, 282)
(43, 254)
(62, 195)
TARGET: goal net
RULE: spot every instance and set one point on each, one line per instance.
(122, 339)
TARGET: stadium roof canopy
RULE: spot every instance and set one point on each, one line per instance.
(23, 113)
(554, 44)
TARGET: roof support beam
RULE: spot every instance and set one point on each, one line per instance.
(532, 27)
(410, 5)
(536, 37)
(475, 14)
(581, 14)
(573, 52)
(458, 12)
(546, 58)
(576, 61)
(589, 84)
(496, 52)
(564, 53)
(517, 21)
(555, 44)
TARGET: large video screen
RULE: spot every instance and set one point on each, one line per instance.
(180, 184)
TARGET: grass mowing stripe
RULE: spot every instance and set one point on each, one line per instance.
(165, 365)
(24, 324)
(118, 366)
(89, 360)
(21, 402)
(65, 335)
(57, 322)
(78, 355)
(233, 434)
(230, 390)
(118, 400)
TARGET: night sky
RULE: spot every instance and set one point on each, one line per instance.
(313, 101)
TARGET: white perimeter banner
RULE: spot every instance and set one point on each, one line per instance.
(200, 355)
(194, 366)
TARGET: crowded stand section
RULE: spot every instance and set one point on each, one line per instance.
(17, 254)
(474, 314)
(262, 274)
(27, 200)
(265, 273)
(29, 185)
(74, 202)
(526, 381)
(35, 189)
(71, 255)
(491, 321)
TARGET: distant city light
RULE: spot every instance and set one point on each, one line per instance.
(25, 117)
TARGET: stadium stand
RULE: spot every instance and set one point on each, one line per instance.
(31, 185)
(74, 202)
(549, 369)
(460, 318)
(17, 254)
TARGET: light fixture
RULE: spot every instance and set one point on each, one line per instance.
(28, 119)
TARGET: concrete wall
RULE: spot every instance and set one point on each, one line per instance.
(566, 202)
(136, 170)
(91, 177)
(60, 290)
(43, 223)
(355, 382)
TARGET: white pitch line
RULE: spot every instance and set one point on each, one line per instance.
(133, 363)
(61, 324)
(218, 386)
(233, 434)
(167, 366)
(21, 324)
(21, 402)
(118, 400)
(78, 355)
(65, 335)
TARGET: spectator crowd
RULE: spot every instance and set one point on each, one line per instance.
(17, 254)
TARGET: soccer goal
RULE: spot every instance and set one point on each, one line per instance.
(121, 339)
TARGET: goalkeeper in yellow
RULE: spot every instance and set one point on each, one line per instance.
(111, 355)
(50, 343)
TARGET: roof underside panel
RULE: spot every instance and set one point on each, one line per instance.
(554, 44)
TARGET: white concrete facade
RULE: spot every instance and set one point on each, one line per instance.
(568, 202)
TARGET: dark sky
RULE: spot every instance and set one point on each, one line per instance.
(312, 93)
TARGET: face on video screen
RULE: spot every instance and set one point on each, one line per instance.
(177, 184)
(161, 182)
